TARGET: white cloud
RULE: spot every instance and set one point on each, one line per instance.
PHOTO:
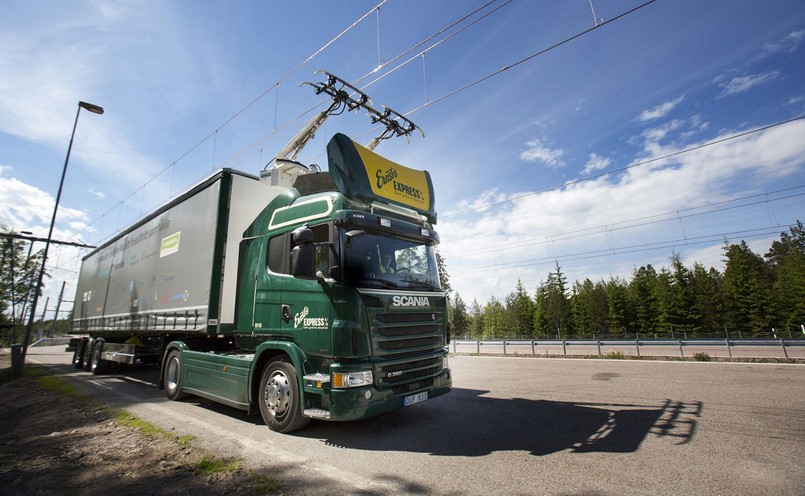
(788, 44)
(536, 152)
(596, 163)
(26, 207)
(660, 110)
(742, 84)
(96, 193)
(643, 210)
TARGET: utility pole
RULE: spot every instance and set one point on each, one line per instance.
(52, 331)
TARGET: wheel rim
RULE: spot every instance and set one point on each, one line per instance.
(277, 394)
(172, 374)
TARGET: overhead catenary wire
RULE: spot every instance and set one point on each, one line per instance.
(246, 107)
(430, 102)
(631, 166)
(635, 248)
(645, 221)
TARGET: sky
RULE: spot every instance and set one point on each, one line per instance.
(599, 136)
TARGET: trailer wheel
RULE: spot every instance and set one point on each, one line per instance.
(86, 357)
(172, 377)
(78, 355)
(98, 365)
(279, 397)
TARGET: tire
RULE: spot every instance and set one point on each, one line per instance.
(172, 376)
(97, 365)
(86, 357)
(78, 355)
(279, 397)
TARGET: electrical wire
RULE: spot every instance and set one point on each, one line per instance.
(631, 166)
(642, 221)
(636, 248)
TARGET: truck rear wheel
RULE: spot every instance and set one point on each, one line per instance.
(86, 357)
(172, 376)
(279, 397)
(98, 365)
(78, 355)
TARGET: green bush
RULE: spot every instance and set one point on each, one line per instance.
(615, 355)
(701, 357)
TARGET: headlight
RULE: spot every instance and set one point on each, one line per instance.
(352, 379)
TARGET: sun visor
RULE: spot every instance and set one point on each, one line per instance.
(362, 174)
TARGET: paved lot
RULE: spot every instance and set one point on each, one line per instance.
(526, 426)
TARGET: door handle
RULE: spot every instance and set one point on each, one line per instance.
(286, 313)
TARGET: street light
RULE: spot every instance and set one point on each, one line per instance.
(95, 109)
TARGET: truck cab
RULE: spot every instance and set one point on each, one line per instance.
(340, 310)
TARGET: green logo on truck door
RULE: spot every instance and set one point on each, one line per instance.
(170, 244)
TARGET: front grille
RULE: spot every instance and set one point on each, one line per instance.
(398, 333)
(407, 345)
(410, 344)
(399, 318)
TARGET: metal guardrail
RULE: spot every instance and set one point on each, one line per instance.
(726, 348)
(50, 341)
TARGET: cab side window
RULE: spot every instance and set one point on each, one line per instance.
(279, 251)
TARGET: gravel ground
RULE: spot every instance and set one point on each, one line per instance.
(54, 441)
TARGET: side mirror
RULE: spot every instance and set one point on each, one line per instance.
(303, 261)
(354, 234)
(302, 235)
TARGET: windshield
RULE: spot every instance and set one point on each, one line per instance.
(384, 262)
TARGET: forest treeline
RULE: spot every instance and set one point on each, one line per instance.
(755, 296)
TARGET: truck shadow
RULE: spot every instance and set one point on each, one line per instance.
(467, 423)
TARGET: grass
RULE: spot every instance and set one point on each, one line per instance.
(701, 357)
(209, 466)
(615, 355)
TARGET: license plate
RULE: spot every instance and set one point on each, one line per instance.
(415, 398)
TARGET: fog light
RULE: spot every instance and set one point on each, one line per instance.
(368, 394)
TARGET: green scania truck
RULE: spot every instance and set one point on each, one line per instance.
(300, 294)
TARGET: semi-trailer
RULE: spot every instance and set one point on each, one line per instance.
(299, 294)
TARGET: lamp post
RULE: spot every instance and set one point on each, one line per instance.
(95, 109)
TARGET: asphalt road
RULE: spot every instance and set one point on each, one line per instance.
(522, 426)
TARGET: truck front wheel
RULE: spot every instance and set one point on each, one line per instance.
(279, 398)
(172, 377)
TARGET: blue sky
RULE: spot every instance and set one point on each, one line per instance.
(556, 160)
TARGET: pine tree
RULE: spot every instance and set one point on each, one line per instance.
(444, 277)
(520, 311)
(494, 321)
(552, 312)
(476, 320)
(748, 289)
(681, 312)
(786, 259)
(643, 296)
(459, 320)
(708, 300)
(589, 307)
(620, 310)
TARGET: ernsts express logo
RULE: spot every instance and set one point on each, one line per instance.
(309, 322)
(410, 301)
(390, 177)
